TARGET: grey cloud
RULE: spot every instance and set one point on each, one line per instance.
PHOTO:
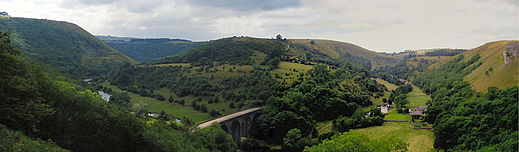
(248, 5)
(134, 6)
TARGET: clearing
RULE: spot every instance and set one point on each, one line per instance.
(417, 97)
(418, 140)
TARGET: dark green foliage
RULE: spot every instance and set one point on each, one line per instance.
(22, 87)
(445, 52)
(63, 45)
(399, 96)
(143, 80)
(120, 98)
(214, 139)
(258, 86)
(78, 120)
(147, 49)
(214, 113)
(479, 122)
(359, 120)
(12, 141)
(295, 142)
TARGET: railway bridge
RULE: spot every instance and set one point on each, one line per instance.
(239, 124)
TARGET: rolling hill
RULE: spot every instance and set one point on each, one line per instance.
(494, 71)
(63, 45)
(490, 68)
(336, 49)
(145, 49)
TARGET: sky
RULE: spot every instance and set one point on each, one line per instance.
(378, 25)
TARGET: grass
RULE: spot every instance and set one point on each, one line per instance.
(173, 64)
(418, 140)
(172, 109)
(502, 76)
(417, 97)
(335, 49)
(324, 127)
(394, 115)
(388, 85)
(288, 71)
(222, 107)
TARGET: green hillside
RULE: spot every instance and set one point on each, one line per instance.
(148, 49)
(351, 52)
(40, 111)
(492, 69)
(225, 75)
(63, 45)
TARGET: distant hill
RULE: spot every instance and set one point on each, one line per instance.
(246, 51)
(63, 45)
(336, 49)
(145, 49)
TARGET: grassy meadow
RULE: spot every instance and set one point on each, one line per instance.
(417, 97)
(418, 140)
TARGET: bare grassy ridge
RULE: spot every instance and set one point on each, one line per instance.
(492, 59)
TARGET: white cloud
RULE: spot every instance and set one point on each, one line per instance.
(390, 25)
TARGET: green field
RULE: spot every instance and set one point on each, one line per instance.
(388, 85)
(172, 109)
(418, 140)
(417, 97)
(394, 115)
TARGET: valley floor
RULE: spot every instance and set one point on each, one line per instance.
(418, 140)
(157, 106)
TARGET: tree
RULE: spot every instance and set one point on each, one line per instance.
(170, 99)
(22, 89)
(203, 108)
(120, 98)
(279, 37)
(294, 141)
(163, 115)
(214, 139)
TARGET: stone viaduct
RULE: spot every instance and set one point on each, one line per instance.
(239, 124)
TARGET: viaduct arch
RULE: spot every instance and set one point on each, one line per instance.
(239, 124)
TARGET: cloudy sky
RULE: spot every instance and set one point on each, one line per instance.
(378, 25)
